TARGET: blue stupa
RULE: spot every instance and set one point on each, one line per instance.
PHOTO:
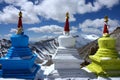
(19, 62)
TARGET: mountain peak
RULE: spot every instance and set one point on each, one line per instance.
(117, 30)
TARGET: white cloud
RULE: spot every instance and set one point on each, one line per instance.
(13, 30)
(45, 37)
(95, 26)
(108, 3)
(55, 29)
(74, 30)
(9, 15)
(16, 2)
(113, 24)
(10, 12)
(56, 9)
(36, 1)
(47, 29)
(7, 36)
(51, 9)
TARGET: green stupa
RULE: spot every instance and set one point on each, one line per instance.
(106, 61)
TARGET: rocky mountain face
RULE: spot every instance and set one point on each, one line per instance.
(44, 49)
(116, 34)
(4, 45)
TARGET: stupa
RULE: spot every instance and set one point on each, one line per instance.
(66, 59)
(106, 60)
(19, 62)
(66, 53)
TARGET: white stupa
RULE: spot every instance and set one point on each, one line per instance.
(67, 60)
(66, 53)
(66, 41)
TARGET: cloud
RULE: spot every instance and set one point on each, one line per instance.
(7, 36)
(45, 37)
(9, 15)
(47, 29)
(13, 30)
(95, 26)
(50, 9)
(10, 12)
(36, 1)
(74, 30)
(108, 3)
(1, 1)
(55, 29)
(53, 8)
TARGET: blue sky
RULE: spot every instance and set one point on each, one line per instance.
(45, 18)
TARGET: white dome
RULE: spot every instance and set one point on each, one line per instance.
(66, 41)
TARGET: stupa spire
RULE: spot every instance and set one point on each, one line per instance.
(20, 26)
(20, 20)
(66, 27)
(105, 30)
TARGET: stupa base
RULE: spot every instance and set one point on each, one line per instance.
(67, 58)
(105, 66)
(19, 68)
(21, 74)
(67, 74)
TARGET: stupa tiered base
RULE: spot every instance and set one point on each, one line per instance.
(106, 61)
(19, 68)
(105, 67)
(67, 58)
(70, 74)
(19, 61)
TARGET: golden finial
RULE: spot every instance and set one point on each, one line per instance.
(19, 30)
(20, 14)
(106, 19)
(67, 15)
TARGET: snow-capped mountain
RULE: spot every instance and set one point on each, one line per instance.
(4, 45)
(82, 40)
(44, 49)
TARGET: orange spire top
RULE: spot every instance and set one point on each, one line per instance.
(20, 20)
(66, 27)
(105, 30)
